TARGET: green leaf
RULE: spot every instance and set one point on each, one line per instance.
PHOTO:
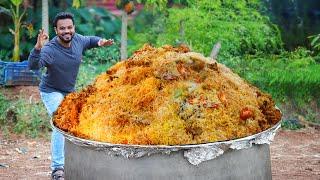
(76, 3)
(85, 14)
(101, 12)
(5, 11)
(16, 2)
(86, 29)
(314, 40)
(108, 27)
(4, 3)
(155, 4)
(316, 46)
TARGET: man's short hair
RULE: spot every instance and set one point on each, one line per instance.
(62, 15)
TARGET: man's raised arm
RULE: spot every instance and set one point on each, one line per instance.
(36, 59)
(94, 41)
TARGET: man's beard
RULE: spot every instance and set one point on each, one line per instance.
(64, 39)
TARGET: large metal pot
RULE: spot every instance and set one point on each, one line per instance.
(246, 158)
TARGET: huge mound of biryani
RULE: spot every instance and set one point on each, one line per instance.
(166, 96)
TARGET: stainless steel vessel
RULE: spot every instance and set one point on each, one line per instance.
(245, 158)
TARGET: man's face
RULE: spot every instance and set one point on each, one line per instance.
(65, 30)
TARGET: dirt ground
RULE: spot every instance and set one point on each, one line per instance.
(15, 92)
(295, 155)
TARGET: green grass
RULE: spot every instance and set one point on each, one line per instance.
(32, 118)
(291, 124)
(23, 117)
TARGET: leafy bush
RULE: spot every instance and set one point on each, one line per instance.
(238, 25)
(290, 76)
(102, 55)
(144, 29)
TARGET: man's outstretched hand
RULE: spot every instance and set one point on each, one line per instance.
(42, 38)
(105, 42)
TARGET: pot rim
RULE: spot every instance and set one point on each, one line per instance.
(87, 142)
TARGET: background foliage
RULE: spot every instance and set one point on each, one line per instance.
(238, 25)
(88, 20)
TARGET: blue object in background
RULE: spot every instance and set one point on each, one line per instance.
(2, 65)
(18, 73)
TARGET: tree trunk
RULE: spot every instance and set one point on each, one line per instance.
(215, 50)
(45, 17)
(16, 49)
(124, 26)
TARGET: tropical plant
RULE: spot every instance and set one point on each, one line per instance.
(315, 43)
(96, 21)
(16, 16)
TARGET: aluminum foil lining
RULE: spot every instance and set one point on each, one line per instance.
(195, 154)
